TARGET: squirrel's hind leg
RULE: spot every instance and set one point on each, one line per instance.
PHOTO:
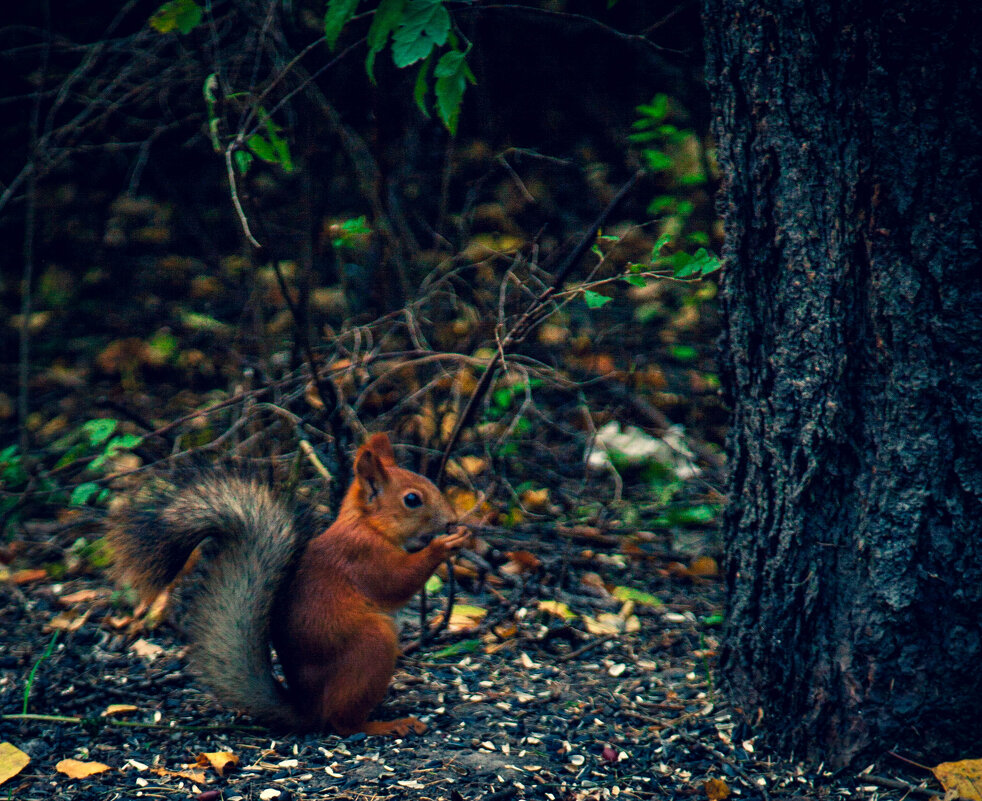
(360, 678)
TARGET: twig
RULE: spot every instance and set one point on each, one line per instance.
(424, 633)
(584, 648)
(896, 784)
(233, 190)
(326, 391)
(528, 321)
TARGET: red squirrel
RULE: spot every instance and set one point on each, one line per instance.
(325, 602)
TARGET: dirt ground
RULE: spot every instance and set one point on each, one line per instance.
(538, 707)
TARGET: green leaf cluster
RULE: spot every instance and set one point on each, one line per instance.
(176, 15)
(416, 30)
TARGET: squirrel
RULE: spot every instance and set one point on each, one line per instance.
(325, 602)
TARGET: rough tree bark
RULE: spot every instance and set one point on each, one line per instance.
(849, 139)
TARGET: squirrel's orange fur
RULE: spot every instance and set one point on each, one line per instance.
(326, 605)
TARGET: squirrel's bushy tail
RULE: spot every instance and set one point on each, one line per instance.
(255, 538)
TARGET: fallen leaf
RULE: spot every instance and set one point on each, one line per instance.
(82, 597)
(68, 620)
(27, 576)
(473, 465)
(557, 608)
(146, 649)
(463, 617)
(604, 624)
(118, 709)
(964, 777)
(631, 594)
(458, 648)
(536, 500)
(74, 769)
(704, 566)
(463, 501)
(219, 761)
(196, 776)
(716, 789)
(12, 761)
(595, 583)
(520, 562)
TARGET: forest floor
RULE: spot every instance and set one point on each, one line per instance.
(580, 660)
(604, 702)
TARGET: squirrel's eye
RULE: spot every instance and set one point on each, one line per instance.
(412, 500)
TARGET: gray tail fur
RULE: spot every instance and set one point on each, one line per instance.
(254, 540)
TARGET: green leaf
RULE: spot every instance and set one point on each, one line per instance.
(82, 493)
(656, 109)
(337, 15)
(451, 80)
(425, 25)
(210, 90)
(433, 584)
(638, 596)
(419, 90)
(124, 442)
(713, 620)
(243, 161)
(261, 148)
(164, 344)
(635, 280)
(272, 147)
(458, 648)
(684, 353)
(699, 264)
(503, 397)
(98, 431)
(176, 15)
(386, 19)
(662, 241)
(660, 204)
(595, 300)
(657, 160)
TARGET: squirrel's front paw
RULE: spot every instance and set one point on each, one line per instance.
(451, 542)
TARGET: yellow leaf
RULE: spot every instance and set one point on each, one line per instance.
(12, 761)
(557, 608)
(462, 500)
(74, 769)
(68, 620)
(964, 777)
(536, 500)
(464, 617)
(716, 789)
(604, 624)
(118, 709)
(219, 761)
(146, 649)
(473, 465)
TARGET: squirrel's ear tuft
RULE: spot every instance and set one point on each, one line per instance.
(379, 445)
(370, 472)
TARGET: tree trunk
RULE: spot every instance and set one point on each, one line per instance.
(849, 140)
